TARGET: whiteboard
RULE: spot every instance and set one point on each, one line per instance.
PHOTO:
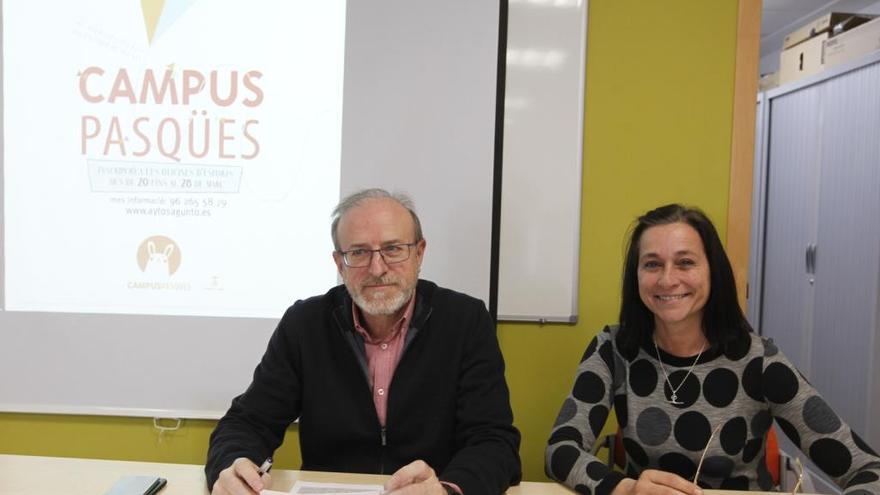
(543, 152)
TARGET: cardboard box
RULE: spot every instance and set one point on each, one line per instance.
(852, 44)
(768, 81)
(803, 59)
(833, 23)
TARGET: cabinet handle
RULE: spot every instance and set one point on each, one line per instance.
(810, 259)
(808, 267)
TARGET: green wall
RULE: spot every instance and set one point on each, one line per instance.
(658, 125)
(659, 111)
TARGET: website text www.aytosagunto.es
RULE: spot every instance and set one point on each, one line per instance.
(169, 207)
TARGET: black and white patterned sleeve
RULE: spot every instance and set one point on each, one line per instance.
(811, 424)
(568, 458)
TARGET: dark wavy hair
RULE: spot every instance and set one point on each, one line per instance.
(724, 324)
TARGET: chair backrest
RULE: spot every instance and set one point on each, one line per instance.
(771, 456)
(619, 453)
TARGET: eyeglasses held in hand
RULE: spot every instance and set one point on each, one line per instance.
(800, 472)
(799, 468)
(703, 455)
(392, 253)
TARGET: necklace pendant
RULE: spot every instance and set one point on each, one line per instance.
(673, 398)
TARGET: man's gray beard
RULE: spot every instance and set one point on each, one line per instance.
(385, 306)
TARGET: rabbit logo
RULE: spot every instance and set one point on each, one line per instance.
(158, 257)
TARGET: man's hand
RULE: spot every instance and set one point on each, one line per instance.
(415, 478)
(241, 478)
(654, 482)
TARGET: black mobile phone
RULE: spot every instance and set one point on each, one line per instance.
(137, 485)
(156, 486)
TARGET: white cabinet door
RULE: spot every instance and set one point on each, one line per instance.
(792, 192)
(845, 326)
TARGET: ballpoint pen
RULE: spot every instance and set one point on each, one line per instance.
(265, 467)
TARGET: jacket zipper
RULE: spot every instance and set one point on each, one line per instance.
(382, 451)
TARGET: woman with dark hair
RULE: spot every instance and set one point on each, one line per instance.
(695, 390)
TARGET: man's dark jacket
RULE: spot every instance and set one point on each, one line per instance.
(448, 403)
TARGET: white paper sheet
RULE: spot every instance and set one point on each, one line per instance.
(314, 488)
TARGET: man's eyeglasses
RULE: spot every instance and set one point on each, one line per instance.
(392, 253)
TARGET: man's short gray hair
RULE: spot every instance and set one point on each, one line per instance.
(356, 199)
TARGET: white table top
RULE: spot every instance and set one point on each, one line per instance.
(34, 475)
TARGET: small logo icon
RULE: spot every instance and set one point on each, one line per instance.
(160, 14)
(158, 256)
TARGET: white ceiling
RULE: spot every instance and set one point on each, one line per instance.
(778, 14)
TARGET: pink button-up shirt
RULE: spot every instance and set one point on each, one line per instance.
(383, 356)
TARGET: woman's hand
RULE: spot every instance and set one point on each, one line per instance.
(654, 482)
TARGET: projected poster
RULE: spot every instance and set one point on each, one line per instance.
(175, 157)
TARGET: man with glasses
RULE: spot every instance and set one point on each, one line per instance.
(387, 374)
